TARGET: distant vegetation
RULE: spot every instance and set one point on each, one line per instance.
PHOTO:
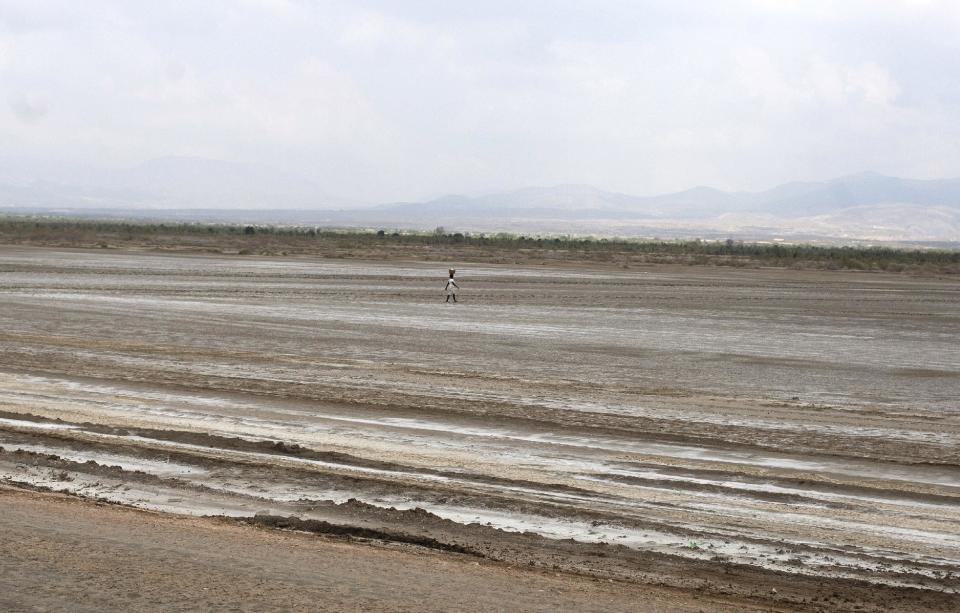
(442, 245)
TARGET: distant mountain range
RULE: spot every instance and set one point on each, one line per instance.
(172, 182)
(789, 200)
(866, 206)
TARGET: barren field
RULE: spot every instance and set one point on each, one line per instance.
(768, 439)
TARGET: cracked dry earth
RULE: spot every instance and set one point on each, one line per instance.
(754, 439)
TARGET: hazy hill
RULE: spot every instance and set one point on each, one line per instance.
(788, 200)
(178, 181)
(793, 199)
(570, 201)
(866, 205)
(175, 182)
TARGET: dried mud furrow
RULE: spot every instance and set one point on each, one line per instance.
(767, 427)
(712, 573)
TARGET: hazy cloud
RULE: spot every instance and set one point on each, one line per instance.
(384, 100)
(27, 109)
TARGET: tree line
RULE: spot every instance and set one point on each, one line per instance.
(104, 233)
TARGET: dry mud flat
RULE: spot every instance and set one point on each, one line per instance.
(778, 439)
(127, 560)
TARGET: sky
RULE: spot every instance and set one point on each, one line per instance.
(407, 100)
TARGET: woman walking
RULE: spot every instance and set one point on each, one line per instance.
(451, 287)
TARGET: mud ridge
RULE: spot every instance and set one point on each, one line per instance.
(315, 526)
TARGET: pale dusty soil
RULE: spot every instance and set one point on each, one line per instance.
(724, 432)
(59, 554)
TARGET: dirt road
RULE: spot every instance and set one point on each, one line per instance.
(721, 430)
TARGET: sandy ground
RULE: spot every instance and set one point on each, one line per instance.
(61, 554)
(783, 439)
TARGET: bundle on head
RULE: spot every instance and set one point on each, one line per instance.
(452, 272)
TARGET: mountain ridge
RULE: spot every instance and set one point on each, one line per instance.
(864, 205)
(789, 199)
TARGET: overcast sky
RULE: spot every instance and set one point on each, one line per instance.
(394, 100)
